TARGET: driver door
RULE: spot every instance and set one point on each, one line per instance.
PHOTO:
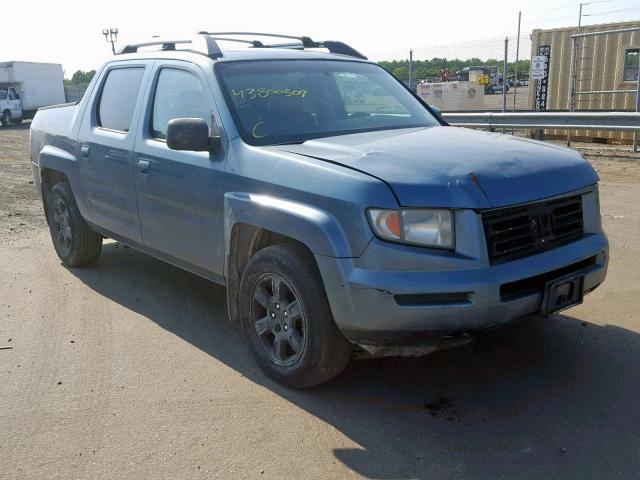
(180, 193)
(14, 103)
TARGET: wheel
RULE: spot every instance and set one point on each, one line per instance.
(286, 318)
(6, 118)
(75, 243)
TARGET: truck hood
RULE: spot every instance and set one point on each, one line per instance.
(455, 167)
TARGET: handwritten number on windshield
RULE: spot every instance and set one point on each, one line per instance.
(252, 93)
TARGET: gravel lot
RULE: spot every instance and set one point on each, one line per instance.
(130, 369)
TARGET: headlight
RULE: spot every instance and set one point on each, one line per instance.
(432, 227)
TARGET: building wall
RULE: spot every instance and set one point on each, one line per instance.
(600, 67)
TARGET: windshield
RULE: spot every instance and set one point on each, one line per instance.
(292, 101)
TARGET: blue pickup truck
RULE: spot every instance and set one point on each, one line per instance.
(337, 208)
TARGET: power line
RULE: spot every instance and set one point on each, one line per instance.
(571, 17)
(573, 5)
(612, 11)
(544, 20)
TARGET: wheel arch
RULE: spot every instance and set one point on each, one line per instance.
(253, 222)
(57, 165)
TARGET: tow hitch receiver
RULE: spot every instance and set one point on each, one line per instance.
(561, 294)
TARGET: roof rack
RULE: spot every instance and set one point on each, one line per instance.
(206, 43)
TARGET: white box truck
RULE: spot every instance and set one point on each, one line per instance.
(27, 86)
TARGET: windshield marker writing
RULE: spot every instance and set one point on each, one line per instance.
(255, 135)
(252, 93)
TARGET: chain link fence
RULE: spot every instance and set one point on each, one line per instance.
(482, 75)
(74, 92)
(593, 68)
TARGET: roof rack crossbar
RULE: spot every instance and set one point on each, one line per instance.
(206, 43)
(294, 45)
(254, 43)
(203, 44)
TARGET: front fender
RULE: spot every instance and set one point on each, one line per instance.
(317, 229)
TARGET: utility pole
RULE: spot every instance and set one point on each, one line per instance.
(574, 66)
(111, 36)
(574, 70)
(411, 68)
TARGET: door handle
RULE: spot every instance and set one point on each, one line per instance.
(143, 165)
(84, 150)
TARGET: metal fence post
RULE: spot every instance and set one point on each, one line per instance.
(574, 74)
(635, 134)
(504, 75)
(515, 72)
(574, 81)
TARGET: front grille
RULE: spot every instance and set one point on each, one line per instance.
(521, 231)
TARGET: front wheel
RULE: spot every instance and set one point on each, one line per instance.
(287, 319)
(6, 118)
(75, 243)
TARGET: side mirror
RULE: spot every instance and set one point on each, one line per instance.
(191, 134)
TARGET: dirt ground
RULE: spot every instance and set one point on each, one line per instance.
(130, 369)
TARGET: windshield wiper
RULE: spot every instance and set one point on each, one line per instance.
(288, 143)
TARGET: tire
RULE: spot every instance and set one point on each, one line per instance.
(75, 243)
(6, 118)
(273, 334)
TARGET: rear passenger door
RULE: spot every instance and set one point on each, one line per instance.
(180, 193)
(106, 142)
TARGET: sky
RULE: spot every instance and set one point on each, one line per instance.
(69, 31)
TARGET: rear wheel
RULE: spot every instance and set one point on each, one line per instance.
(75, 243)
(287, 320)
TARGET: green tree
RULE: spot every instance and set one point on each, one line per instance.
(81, 77)
(401, 73)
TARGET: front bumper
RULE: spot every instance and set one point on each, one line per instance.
(429, 294)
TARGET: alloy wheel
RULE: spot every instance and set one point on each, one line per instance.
(278, 319)
(63, 235)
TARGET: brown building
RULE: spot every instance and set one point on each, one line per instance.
(606, 73)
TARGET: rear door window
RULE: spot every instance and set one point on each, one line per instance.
(118, 98)
(3, 93)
